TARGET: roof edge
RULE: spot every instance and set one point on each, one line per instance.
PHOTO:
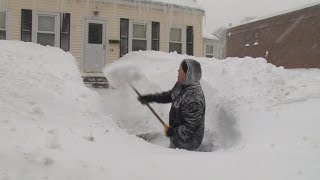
(276, 14)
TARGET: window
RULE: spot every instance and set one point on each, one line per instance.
(124, 36)
(175, 43)
(190, 40)
(155, 36)
(3, 25)
(209, 51)
(135, 36)
(139, 37)
(95, 33)
(46, 30)
(247, 40)
(65, 32)
(256, 38)
(26, 25)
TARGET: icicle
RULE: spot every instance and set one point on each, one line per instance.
(169, 24)
(35, 4)
(114, 5)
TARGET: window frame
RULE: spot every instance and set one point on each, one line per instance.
(206, 53)
(35, 25)
(5, 24)
(183, 38)
(148, 34)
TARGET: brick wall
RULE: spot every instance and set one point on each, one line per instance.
(291, 40)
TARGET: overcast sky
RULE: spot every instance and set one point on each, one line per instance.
(222, 12)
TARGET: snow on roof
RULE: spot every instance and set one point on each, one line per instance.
(208, 35)
(277, 13)
(181, 3)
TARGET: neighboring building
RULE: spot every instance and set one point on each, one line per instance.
(290, 39)
(210, 45)
(98, 32)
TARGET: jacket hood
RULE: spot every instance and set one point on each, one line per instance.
(194, 72)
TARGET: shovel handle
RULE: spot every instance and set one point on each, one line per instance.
(151, 109)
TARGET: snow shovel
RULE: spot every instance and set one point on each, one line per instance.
(152, 110)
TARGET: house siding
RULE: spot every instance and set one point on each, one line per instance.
(111, 13)
(291, 40)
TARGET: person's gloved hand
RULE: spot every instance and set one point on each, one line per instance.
(144, 99)
(169, 131)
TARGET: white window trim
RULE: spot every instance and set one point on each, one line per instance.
(35, 30)
(183, 38)
(206, 54)
(148, 35)
(6, 24)
(215, 48)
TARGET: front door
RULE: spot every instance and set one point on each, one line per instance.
(95, 46)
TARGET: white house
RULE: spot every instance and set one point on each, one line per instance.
(98, 32)
(210, 45)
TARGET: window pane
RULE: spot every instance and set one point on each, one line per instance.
(155, 36)
(124, 29)
(46, 39)
(124, 26)
(190, 40)
(247, 38)
(123, 46)
(26, 25)
(139, 45)
(65, 23)
(175, 35)
(26, 36)
(209, 49)
(3, 35)
(139, 31)
(175, 47)
(209, 56)
(155, 30)
(155, 45)
(46, 23)
(26, 19)
(2, 20)
(95, 33)
(64, 42)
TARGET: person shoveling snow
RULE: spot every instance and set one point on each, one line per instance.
(187, 113)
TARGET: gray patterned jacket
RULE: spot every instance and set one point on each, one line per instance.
(187, 113)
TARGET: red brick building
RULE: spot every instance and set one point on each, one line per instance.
(290, 39)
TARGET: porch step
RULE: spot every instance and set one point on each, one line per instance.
(96, 81)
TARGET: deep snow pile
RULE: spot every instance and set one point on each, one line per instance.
(230, 86)
(262, 121)
(46, 112)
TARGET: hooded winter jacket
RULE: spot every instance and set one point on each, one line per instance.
(187, 113)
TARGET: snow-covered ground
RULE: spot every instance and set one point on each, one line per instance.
(262, 122)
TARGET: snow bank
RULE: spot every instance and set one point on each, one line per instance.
(262, 121)
(41, 84)
(232, 85)
(46, 112)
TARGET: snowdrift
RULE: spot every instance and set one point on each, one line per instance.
(46, 112)
(262, 121)
(231, 86)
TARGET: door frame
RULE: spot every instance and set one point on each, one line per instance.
(84, 40)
